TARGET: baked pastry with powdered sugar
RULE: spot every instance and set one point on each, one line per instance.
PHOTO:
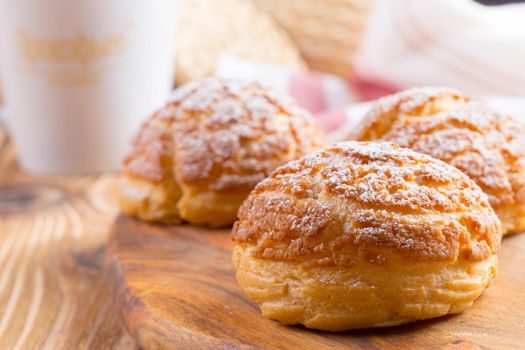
(365, 235)
(198, 158)
(464, 132)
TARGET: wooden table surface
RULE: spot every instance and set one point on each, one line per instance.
(53, 231)
(175, 288)
(54, 290)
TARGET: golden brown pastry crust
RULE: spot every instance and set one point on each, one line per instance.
(463, 132)
(371, 222)
(211, 144)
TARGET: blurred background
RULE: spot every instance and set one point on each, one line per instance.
(330, 55)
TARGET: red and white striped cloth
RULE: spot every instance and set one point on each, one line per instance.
(457, 43)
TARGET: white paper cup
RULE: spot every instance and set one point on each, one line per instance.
(80, 75)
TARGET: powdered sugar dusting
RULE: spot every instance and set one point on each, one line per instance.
(151, 154)
(368, 201)
(408, 101)
(226, 135)
(488, 147)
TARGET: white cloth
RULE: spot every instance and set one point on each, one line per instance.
(458, 43)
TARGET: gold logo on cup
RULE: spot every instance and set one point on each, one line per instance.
(44, 55)
(82, 48)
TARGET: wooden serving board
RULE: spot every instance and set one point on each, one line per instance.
(175, 287)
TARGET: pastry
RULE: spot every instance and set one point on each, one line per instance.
(365, 235)
(463, 132)
(198, 158)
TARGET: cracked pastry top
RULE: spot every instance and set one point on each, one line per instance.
(197, 158)
(365, 234)
(387, 203)
(464, 132)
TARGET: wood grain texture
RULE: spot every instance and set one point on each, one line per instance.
(53, 292)
(175, 289)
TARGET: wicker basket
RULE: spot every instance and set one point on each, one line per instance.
(326, 31)
(208, 28)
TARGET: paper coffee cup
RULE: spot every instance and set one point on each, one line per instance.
(80, 75)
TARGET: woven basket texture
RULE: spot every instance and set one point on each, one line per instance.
(208, 28)
(327, 32)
